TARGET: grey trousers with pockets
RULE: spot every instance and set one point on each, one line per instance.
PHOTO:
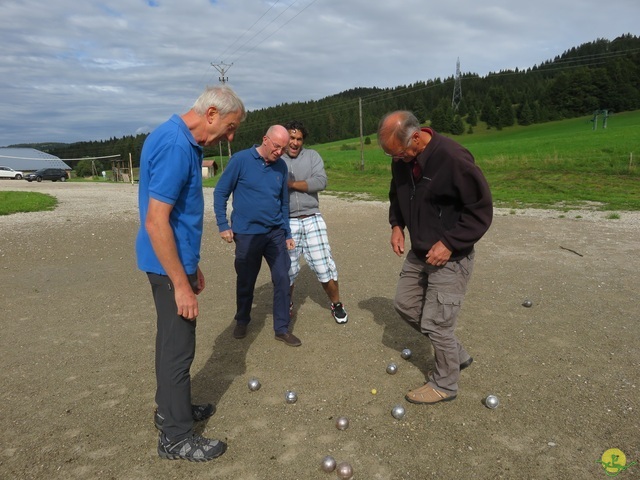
(175, 351)
(430, 299)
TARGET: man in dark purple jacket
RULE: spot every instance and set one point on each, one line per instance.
(442, 198)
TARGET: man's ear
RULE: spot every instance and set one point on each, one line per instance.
(211, 114)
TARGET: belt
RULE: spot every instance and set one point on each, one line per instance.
(305, 216)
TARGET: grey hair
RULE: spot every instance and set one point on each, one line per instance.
(402, 130)
(223, 98)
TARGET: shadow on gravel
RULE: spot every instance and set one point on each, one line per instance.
(398, 334)
(228, 356)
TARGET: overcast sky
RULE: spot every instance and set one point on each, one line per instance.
(90, 70)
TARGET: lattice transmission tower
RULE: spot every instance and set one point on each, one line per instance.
(457, 88)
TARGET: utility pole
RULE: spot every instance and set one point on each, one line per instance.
(361, 138)
(457, 88)
(222, 69)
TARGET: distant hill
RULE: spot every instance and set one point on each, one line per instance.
(599, 75)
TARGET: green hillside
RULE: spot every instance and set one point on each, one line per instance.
(564, 164)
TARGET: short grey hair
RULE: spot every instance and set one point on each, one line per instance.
(223, 98)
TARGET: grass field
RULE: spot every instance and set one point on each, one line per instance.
(563, 164)
(12, 202)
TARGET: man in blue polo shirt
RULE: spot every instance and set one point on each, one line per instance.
(257, 177)
(168, 249)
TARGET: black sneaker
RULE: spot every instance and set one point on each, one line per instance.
(339, 313)
(199, 412)
(195, 448)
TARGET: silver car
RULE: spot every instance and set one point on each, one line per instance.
(6, 172)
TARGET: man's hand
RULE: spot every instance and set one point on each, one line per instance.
(438, 255)
(397, 240)
(227, 235)
(186, 301)
(291, 244)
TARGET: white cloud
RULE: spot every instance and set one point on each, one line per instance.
(72, 71)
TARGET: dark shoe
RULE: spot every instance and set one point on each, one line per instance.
(240, 331)
(466, 364)
(199, 412)
(339, 313)
(289, 338)
(194, 448)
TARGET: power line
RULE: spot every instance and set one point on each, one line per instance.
(261, 30)
(248, 29)
(278, 29)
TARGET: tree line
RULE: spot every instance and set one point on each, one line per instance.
(598, 75)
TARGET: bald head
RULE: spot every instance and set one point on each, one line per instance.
(279, 134)
(397, 127)
(274, 143)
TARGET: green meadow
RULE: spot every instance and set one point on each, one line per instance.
(12, 202)
(565, 164)
(562, 165)
(559, 164)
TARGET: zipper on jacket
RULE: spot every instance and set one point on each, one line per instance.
(413, 183)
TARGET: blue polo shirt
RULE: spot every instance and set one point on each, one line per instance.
(260, 194)
(171, 172)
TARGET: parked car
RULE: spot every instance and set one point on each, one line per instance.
(6, 172)
(53, 174)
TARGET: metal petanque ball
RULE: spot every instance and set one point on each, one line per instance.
(398, 412)
(392, 368)
(491, 401)
(527, 303)
(344, 471)
(328, 464)
(406, 354)
(342, 423)
(291, 397)
(254, 385)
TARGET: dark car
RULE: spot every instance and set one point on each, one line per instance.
(53, 174)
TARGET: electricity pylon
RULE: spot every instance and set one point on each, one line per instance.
(457, 88)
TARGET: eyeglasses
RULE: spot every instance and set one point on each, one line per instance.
(275, 145)
(398, 157)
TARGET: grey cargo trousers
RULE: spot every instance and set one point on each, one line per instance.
(430, 298)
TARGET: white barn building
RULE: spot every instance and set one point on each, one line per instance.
(29, 159)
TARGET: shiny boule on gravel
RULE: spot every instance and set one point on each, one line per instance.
(342, 423)
(344, 471)
(527, 303)
(398, 412)
(291, 397)
(406, 354)
(392, 368)
(328, 464)
(491, 401)
(254, 384)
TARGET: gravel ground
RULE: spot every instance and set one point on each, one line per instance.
(77, 343)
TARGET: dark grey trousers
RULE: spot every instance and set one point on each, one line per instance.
(175, 350)
(430, 298)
